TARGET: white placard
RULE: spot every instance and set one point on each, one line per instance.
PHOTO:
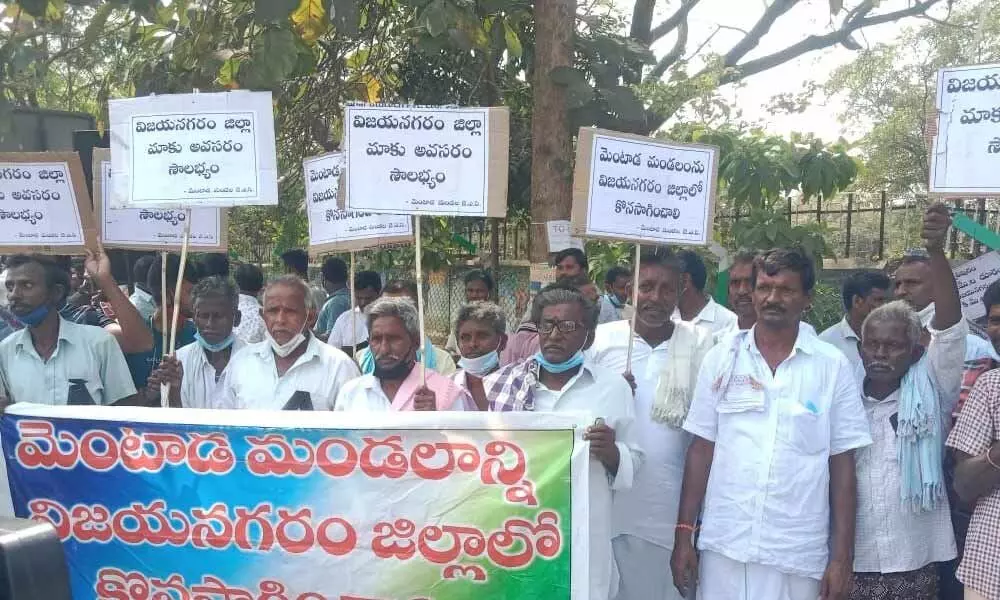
(559, 236)
(639, 189)
(433, 161)
(965, 155)
(39, 206)
(973, 278)
(331, 228)
(193, 150)
(154, 228)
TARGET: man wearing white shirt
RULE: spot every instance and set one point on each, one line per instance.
(350, 330)
(666, 357)
(776, 416)
(862, 292)
(141, 298)
(199, 373)
(291, 369)
(51, 360)
(696, 307)
(558, 378)
(398, 382)
(250, 281)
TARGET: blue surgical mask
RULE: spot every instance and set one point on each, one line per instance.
(217, 347)
(35, 317)
(574, 361)
(613, 299)
(480, 365)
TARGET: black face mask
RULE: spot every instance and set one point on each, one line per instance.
(400, 371)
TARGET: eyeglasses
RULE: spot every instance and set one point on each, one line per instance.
(562, 326)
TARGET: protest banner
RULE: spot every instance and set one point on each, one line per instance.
(184, 150)
(152, 229)
(293, 505)
(44, 204)
(334, 230)
(973, 278)
(965, 153)
(639, 189)
(427, 160)
(560, 236)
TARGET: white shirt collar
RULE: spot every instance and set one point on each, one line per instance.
(845, 330)
(803, 341)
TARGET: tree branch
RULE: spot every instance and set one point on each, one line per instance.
(758, 31)
(673, 21)
(675, 53)
(642, 20)
(855, 21)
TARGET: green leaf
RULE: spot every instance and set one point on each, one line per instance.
(274, 58)
(35, 8)
(625, 103)
(513, 41)
(271, 11)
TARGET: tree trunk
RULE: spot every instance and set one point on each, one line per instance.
(551, 145)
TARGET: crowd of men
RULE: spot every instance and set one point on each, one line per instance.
(736, 454)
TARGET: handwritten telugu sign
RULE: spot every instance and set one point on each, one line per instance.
(635, 188)
(965, 154)
(332, 229)
(427, 160)
(973, 278)
(148, 228)
(252, 504)
(44, 206)
(193, 150)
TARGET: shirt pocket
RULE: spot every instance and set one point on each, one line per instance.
(806, 431)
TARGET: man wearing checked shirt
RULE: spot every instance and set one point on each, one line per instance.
(775, 416)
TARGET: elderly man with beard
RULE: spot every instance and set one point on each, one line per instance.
(291, 369)
(559, 378)
(481, 328)
(776, 416)
(904, 525)
(395, 382)
(666, 356)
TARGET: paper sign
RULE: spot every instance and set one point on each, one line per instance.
(965, 155)
(148, 228)
(427, 160)
(559, 236)
(44, 206)
(334, 230)
(973, 278)
(635, 188)
(193, 150)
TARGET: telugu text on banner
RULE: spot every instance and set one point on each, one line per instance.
(311, 506)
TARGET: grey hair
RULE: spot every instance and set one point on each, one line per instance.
(401, 308)
(487, 312)
(216, 287)
(897, 311)
(561, 294)
(292, 281)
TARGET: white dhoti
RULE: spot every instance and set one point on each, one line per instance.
(644, 568)
(721, 578)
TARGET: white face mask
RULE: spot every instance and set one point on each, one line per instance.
(283, 350)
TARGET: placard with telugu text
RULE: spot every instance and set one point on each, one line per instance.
(193, 150)
(427, 160)
(635, 188)
(332, 229)
(972, 279)
(152, 228)
(44, 206)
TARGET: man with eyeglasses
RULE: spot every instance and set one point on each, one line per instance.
(558, 378)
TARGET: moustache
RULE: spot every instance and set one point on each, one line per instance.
(388, 358)
(773, 307)
(879, 366)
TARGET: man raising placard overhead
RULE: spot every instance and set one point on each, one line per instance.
(292, 369)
